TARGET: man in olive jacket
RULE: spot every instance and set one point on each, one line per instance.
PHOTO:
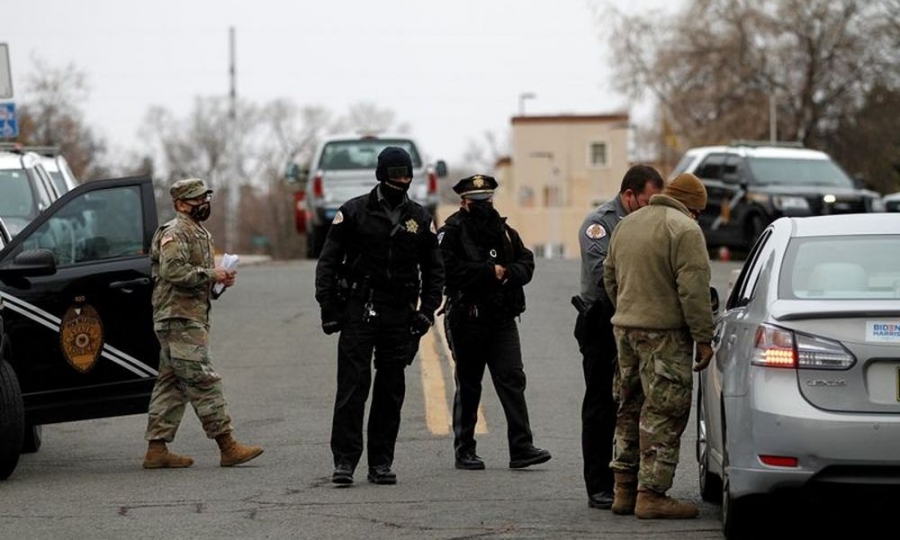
(657, 275)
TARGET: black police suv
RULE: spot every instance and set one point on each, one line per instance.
(77, 331)
(750, 184)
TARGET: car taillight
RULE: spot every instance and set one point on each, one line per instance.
(777, 347)
(300, 211)
(432, 182)
(318, 189)
(818, 353)
(774, 347)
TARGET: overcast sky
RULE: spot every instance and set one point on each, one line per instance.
(450, 69)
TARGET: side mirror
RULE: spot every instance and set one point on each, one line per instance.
(714, 300)
(33, 262)
(440, 168)
(294, 173)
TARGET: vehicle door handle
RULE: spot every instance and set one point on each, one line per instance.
(130, 284)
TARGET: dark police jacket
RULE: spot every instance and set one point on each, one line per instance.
(364, 246)
(469, 259)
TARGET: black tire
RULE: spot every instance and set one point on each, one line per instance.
(34, 436)
(12, 420)
(710, 483)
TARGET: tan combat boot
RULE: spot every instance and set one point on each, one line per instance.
(235, 453)
(653, 505)
(625, 493)
(159, 457)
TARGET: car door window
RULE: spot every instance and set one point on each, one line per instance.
(711, 167)
(746, 282)
(97, 225)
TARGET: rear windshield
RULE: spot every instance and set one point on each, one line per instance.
(362, 154)
(842, 268)
(16, 197)
(798, 172)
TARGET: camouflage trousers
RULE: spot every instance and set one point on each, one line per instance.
(185, 375)
(653, 385)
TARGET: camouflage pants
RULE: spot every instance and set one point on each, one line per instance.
(185, 375)
(654, 385)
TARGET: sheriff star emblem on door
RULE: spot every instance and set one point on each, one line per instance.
(81, 337)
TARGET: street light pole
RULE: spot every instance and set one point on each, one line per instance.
(522, 97)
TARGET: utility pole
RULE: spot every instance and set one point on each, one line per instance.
(231, 217)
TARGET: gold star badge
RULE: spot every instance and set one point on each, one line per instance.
(412, 226)
(478, 181)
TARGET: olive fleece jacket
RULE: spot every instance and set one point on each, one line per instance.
(657, 271)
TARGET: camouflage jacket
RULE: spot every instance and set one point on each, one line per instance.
(183, 268)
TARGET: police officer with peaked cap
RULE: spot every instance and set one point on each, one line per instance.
(369, 288)
(487, 267)
(593, 330)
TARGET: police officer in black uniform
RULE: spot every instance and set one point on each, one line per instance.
(369, 288)
(487, 265)
(593, 330)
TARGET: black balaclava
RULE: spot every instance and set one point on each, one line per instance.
(393, 162)
(486, 223)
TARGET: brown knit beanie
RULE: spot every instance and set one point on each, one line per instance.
(687, 189)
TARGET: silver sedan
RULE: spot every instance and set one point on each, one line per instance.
(804, 387)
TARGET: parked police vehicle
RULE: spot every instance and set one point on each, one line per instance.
(343, 167)
(77, 331)
(750, 184)
(26, 187)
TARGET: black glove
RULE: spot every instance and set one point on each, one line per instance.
(332, 321)
(420, 324)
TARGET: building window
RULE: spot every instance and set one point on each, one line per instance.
(597, 154)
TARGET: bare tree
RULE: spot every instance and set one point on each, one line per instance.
(714, 66)
(52, 115)
(367, 117)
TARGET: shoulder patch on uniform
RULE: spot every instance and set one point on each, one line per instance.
(338, 218)
(440, 236)
(165, 239)
(595, 231)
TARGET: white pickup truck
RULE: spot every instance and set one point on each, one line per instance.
(343, 167)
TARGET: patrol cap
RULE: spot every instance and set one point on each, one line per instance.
(189, 188)
(479, 187)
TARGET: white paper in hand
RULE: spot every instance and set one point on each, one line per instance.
(229, 262)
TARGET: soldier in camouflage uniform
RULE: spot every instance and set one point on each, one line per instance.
(657, 276)
(594, 331)
(184, 273)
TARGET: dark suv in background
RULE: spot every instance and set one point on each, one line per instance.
(750, 184)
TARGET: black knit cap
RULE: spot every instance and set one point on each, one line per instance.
(393, 162)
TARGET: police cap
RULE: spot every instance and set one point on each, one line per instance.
(189, 188)
(479, 187)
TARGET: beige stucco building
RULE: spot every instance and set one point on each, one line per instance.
(559, 169)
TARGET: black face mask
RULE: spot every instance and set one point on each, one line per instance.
(482, 210)
(397, 186)
(392, 193)
(200, 212)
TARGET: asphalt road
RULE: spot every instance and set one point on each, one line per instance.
(279, 373)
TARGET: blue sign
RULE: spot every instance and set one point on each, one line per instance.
(9, 125)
